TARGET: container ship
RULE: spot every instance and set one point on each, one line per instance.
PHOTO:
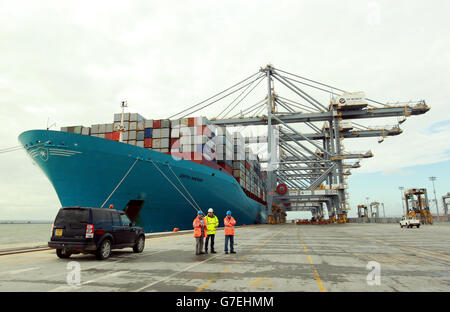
(160, 172)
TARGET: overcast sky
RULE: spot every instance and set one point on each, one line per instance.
(74, 61)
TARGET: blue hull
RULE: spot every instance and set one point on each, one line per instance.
(85, 170)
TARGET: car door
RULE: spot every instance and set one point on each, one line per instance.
(129, 232)
(118, 230)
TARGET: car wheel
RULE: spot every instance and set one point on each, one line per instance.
(104, 251)
(418, 225)
(63, 253)
(140, 244)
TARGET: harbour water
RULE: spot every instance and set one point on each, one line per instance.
(16, 234)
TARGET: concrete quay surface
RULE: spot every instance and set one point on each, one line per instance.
(281, 258)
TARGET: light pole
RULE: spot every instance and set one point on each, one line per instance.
(401, 188)
(384, 215)
(432, 179)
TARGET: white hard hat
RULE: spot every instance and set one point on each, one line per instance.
(210, 210)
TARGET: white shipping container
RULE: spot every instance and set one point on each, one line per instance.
(174, 123)
(126, 117)
(101, 128)
(133, 125)
(140, 125)
(108, 128)
(175, 133)
(200, 139)
(132, 142)
(148, 123)
(164, 150)
(85, 130)
(156, 133)
(140, 143)
(64, 129)
(187, 148)
(184, 122)
(132, 135)
(156, 143)
(201, 121)
(165, 143)
(186, 140)
(140, 118)
(165, 132)
(125, 136)
(133, 117)
(187, 131)
(101, 135)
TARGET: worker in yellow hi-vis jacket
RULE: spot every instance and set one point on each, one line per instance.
(211, 224)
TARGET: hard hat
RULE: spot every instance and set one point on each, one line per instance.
(199, 212)
(228, 212)
(210, 210)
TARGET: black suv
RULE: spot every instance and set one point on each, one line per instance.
(94, 230)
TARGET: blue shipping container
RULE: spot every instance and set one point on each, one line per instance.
(148, 132)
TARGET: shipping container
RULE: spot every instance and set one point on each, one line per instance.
(148, 123)
(132, 135)
(148, 142)
(165, 123)
(156, 143)
(156, 124)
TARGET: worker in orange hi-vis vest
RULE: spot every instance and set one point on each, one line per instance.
(199, 225)
(229, 232)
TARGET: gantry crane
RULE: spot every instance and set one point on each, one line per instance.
(304, 134)
(417, 205)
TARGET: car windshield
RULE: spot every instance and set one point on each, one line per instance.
(72, 215)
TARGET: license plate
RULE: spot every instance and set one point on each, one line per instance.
(58, 232)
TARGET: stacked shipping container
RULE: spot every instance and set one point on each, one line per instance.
(194, 139)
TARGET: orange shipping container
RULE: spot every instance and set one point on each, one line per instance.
(148, 142)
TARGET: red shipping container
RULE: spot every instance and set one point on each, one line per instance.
(247, 165)
(116, 135)
(191, 121)
(196, 156)
(156, 124)
(148, 142)
(174, 143)
(177, 154)
(109, 136)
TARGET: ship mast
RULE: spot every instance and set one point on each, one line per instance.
(121, 127)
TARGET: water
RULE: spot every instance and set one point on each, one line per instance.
(24, 233)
